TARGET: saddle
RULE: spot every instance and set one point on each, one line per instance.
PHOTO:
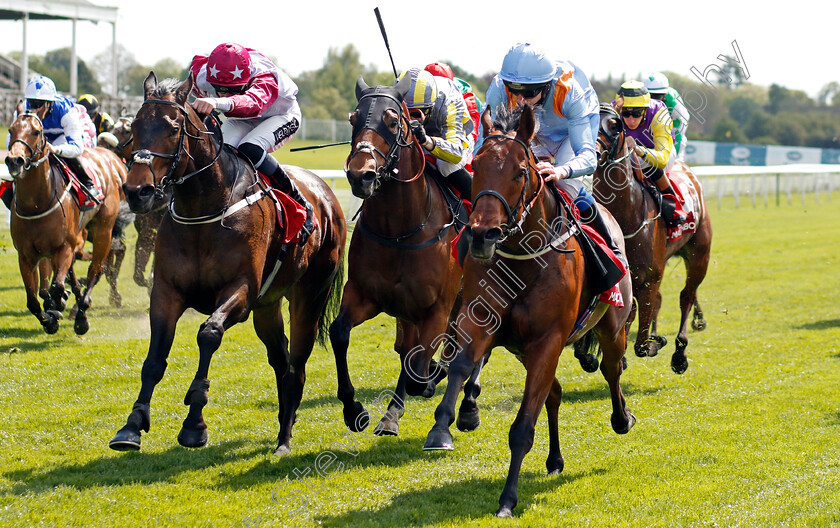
(290, 214)
(666, 208)
(80, 194)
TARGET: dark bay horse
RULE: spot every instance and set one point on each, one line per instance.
(400, 261)
(121, 142)
(47, 224)
(222, 251)
(527, 297)
(617, 184)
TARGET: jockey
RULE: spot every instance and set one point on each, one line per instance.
(474, 105)
(260, 102)
(659, 88)
(63, 129)
(648, 122)
(568, 118)
(101, 120)
(441, 123)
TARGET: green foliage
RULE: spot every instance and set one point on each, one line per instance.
(748, 436)
(56, 65)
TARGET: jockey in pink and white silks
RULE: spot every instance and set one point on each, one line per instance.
(568, 117)
(260, 101)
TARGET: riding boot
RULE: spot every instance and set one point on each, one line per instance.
(95, 197)
(597, 222)
(462, 181)
(283, 182)
(671, 210)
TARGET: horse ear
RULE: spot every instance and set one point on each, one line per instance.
(486, 121)
(404, 85)
(149, 85)
(527, 124)
(361, 86)
(183, 91)
(19, 108)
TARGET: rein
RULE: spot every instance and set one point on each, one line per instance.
(145, 156)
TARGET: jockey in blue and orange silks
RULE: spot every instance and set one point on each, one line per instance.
(568, 121)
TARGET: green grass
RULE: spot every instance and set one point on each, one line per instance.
(748, 436)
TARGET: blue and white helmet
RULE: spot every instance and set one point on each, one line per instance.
(525, 64)
(40, 88)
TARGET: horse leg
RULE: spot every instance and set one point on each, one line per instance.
(554, 463)
(232, 309)
(408, 335)
(29, 273)
(540, 364)
(355, 309)
(696, 264)
(305, 308)
(112, 270)
(143, 249)
(468, 416)
(166, 307)
(44, 273)
(613, 341)
(647, 343)
(101, 248)
(268, 323)
(698, 322)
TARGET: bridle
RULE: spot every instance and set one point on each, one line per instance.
(39, 147)
(145, 156)
(388, 169)
(126, 124)
(515, 220)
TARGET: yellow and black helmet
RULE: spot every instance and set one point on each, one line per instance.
(423, 91)
(635, 95)
(90, 103)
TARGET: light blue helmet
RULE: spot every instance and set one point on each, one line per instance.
(525, 64)
(40, 88)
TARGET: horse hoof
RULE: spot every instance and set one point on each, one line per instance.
(282, 450)
(193, 437)
(387, 428)
(51, 324)
(358, 419)
(468, 421)
(679, 363)
(624, 425)
(115, 300)
(504, 513)
(439, 440)
(81, 326)
(698, 324)
(555, 466)
(588, 362)
(126, 439)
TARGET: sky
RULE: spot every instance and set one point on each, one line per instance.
(791, 46)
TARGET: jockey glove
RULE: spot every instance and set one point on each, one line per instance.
(418, 131)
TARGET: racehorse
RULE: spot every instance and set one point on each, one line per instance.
(525, 296)
(400, 260)
(47, 225)
(617, 183)
(222, 251)
(120, 141)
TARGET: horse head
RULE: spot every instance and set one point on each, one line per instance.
(505, 171)
(163, 144)
(27, 143)
(380, 130)
(610, 132)
(119, 140)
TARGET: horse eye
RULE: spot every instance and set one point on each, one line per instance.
(522, 173)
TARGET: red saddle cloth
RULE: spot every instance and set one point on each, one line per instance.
(82, 198)
(690, 224)
(290, 214)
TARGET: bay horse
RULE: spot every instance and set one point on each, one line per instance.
(617, 183)
(48, 228)
(400, 261)
(120, 142)
(527, 297)
(222, 251)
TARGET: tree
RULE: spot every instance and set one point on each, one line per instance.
(103, 62)
(56, 65)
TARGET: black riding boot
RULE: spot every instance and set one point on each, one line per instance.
(87, 185)
(669, 198)
(597, 222)
(266, 164)
(461, 180)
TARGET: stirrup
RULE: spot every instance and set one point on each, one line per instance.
(308, 225)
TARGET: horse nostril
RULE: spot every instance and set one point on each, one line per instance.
(492, 235)
(146, 192)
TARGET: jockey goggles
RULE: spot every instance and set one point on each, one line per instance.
(229, 90)
(35, 104)
(528, 91)
(633, 112)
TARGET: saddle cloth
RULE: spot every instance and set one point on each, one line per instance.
(290, 214)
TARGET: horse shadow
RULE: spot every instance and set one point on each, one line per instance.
(130, 468)
(820, 325)
(23, 340)
(378, 398)
(464, 500)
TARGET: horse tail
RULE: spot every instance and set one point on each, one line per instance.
(124, 218)
(332, 305)
(585, 351)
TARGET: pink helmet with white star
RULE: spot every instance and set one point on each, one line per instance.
(229, 65)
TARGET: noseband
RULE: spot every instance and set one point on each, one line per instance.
(388, 170)
(39, 147)
(513, 224)
(145, 156)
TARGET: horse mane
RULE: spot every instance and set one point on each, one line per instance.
(507, 120)
(165, 87)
